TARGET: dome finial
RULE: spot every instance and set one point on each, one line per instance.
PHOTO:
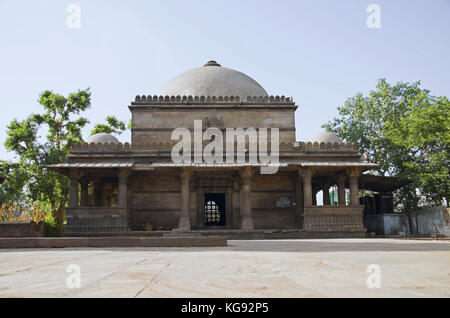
(212, 63)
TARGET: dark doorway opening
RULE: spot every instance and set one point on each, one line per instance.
(215, 209)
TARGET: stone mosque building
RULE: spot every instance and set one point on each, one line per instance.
(136, 186)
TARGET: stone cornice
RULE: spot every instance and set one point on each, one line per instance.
(221, 107)
(192, 129)
(169, 100)
(148, 103)
(306, 148)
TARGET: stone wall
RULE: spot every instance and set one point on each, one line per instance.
(419, 223)
(423, 222)
(265, 192)
(21, 229)
(156, 126)
(334, 217)
(155, 199)
(387, 224)
(96, 223)
(96, 219)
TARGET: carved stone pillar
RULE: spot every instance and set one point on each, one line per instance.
(299, 208)
(194, 203)
(84, 192)
(307, 187)
(315, 190)
(354, 190)
(246, 208)
(236, 203)
(98, 193)
(341, 190)
(326, 194)
(201, 208)
(73, 190)
(123, 187)
(185, 218)
(106, 195)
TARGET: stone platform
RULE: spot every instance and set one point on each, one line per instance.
(62, 242)
(236, 234)
(243, 269)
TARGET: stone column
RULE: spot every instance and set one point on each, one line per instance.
(201, 208)
(246, 208)
(341, 190)
(326, 194)
(194, 205)
(185, 218)
(84, 192)
(307, 187)
(106, 199)
(315, 190)
(73, 190)
(229, 222)
(98, 193)
(354, 191)
(299, 208)
(236, 199)
(123, 187)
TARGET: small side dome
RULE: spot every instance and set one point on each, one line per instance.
(325, 137)
(102, 138)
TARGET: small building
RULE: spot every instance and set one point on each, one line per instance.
(127, 186)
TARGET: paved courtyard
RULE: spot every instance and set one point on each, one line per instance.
(285, 268)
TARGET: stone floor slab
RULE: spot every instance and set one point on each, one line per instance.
(281, 268)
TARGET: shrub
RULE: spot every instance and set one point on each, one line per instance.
(50, 226)
(13, 212)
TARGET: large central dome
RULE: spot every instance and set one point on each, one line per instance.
(213, 80)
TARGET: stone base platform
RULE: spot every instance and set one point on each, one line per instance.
(61, 242)
(237, 234)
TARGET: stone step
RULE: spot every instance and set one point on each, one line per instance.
(62, 242)
(117, 234)
(235, 234)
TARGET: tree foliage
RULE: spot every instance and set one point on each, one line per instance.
(30, 175)
(425, 129)
(112, 126)
(383, 125)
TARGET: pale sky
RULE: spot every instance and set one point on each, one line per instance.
(318, 52)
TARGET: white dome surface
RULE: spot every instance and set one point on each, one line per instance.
(325, 137)
(102, 138)
(213, 80)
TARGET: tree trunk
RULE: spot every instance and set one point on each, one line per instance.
(58, 216)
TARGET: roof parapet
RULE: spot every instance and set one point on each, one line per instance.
(147, 100)
(314, 146)
(166, 146)
(85, 147)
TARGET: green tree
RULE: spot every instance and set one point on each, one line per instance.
(11, 189)
(425, 129)
(367, 120)
(112, 126)
(63, 125)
